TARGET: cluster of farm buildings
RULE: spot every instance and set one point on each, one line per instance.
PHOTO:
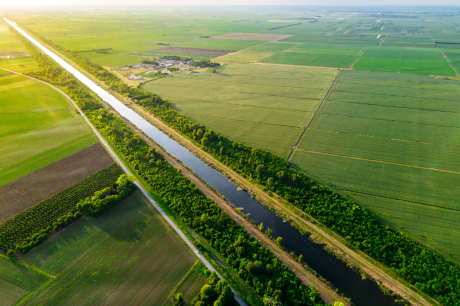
(164, 64)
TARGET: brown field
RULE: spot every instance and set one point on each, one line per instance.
(34, 187)
(253, 36)
(194, 51)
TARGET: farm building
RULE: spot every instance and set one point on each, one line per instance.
(135, 77)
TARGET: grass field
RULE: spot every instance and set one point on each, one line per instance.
(310, 54)
(129, 256)
(249, 102)
(404, 60)
(390, 142)
(37, 127)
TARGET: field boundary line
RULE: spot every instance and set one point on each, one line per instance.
(379, 161)
(214, 59)
(45, 155)
(451, 66)
(244, 93)
(314, 115)
(396, 199)
(319, 67)
(357, 58)
(247, 105)
(388, 138)
(263, 123)
(395, 106)
(141, 188)
(246, 83)
(182, 281)
(258, 61)
(400, 121)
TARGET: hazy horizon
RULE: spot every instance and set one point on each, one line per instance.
(80, 3)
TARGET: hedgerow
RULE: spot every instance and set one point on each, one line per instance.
(18, 232)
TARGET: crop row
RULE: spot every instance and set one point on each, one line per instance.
(18, 229)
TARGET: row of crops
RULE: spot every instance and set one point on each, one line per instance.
(42, 215)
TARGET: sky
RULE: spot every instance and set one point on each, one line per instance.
(47, 3)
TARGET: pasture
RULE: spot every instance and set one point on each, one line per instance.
(38, 126)
(404, 60)
(249, 102)
(310, 54)
(390, 142)
(127, 256)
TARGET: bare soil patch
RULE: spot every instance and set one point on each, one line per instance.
(253, 36)
(196, 51)
(39, 185)
(14, 54)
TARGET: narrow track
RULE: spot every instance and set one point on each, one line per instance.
(314, 115)
(357, 58)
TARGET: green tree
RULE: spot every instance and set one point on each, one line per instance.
(260, 169)
(279, 241)
(179, 299)
(261, 227)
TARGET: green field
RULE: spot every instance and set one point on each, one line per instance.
(454, 57)
(404, 60)
(256, 53)
(390, 142)
(263, 106)
(311, 54)
(408, 41)
(37, 127)
(129, 256)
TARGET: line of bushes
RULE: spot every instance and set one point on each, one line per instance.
(215, 292)
(31, 226)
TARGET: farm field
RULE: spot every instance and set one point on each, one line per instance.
(34, 187)
(38, 126)
(18, 60)
(454, 57)
(409, 41)
(248, 102)
(256, 53)
(325, 55)
(393, 151)
(85, 272)
(404, 60)
(17, 280)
